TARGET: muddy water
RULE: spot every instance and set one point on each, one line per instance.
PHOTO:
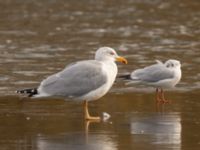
(38, 38)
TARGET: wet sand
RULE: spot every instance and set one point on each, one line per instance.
(39, 38)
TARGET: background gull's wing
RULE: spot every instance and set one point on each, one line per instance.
(153, 73)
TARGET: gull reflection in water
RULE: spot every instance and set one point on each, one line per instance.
(84, 140)
(163, 129)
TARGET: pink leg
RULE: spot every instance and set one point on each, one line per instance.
(163, 97)
(158, 99)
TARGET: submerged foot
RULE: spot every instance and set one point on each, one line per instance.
(163, 101)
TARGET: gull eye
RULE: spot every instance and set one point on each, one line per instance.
(168, 65)
(112, 53)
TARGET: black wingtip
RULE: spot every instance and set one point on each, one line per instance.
(29, 92)
(124, 76)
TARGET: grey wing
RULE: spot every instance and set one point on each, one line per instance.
(75, 80)
(153, 73)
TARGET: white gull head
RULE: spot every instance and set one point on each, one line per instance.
(173, 64)
(108, 54)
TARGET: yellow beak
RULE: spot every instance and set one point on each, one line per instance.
(122, 59)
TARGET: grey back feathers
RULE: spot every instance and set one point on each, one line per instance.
(75, 80)
(153, 73)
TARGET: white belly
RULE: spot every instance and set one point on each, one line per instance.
(111, 71)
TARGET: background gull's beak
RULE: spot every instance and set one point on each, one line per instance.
(122, 59)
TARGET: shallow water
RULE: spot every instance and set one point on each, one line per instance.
(38, 38)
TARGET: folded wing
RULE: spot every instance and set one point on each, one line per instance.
(153, 73)
(75, 80)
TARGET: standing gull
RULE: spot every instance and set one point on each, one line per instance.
(85, 81)
(160, 75)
